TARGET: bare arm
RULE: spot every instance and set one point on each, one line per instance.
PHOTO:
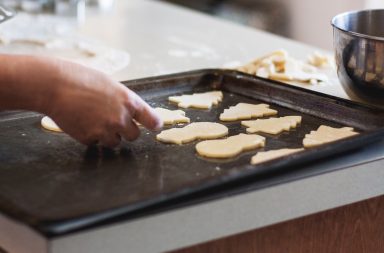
(85, 103)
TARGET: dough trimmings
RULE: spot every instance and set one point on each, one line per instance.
(230, 147)
(278, 65)
(321, 60)
(49, 124)
(272, 125)
(246, 111)
(198, 100)
(325, 134)
(273, 154)
(193, 131)
(171, 117)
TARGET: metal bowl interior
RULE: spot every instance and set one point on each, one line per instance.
(367, 23)
(359, 53)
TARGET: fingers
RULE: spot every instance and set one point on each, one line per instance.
(111, 136)
(148, 117)
(143, 113)
(131, 131)
(116, 120)
(86, 142)
(110, 140)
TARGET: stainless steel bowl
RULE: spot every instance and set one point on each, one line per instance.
(359, 51)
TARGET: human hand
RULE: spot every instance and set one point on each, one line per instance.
(92, 108)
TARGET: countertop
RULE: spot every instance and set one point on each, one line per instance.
(162, 39)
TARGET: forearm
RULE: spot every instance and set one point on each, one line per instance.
(85, 103)
(27, 82)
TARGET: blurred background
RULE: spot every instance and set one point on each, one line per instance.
(304, 20)
(307, 21)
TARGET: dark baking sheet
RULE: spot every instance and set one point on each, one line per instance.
(56, 185)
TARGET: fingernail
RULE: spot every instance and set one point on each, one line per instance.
(159, 125)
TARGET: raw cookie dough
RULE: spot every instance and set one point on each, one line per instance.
(272, 125)
(193, 131)
(230, 147)
(321, 60)
(49, 124)
(246, 111)
(54, 36)
(278, 65)
(325, 134)
(198, 100)
(170, 117)
(273, 154)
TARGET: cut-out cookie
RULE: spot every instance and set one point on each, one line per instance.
(170, 117)
(49, 124)
(246, 111)
(325, 134)
(230, 147)
(273, 154)
(193, 131)
(198, 100)
(272, 125)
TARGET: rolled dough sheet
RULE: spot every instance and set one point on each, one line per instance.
(170, 117)
(246, 111)
(54, 36)
(273, 154)
(230, 147)
(272, 125)
(49, 124)
(325, 134)
(198, 100)
(193, 131)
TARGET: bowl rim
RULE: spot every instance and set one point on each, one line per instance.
(357, 34)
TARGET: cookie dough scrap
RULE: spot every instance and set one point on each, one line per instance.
(325, 134)
(171, 117)
(193, 131)
(273, 154)
(321, 60)
(230, 147)
(49, 124)
(278, 65)
(272, 62)
(198, 100)
(272, 125)
(246, 111)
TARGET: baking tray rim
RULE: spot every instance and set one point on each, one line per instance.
(132, 84)
(58, 228)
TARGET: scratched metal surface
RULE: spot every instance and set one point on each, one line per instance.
(56, 185)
